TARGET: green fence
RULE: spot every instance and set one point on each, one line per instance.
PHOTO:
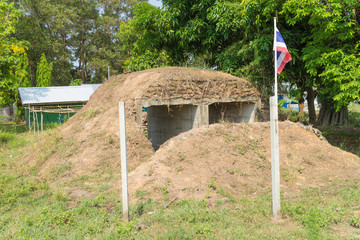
(48, 117)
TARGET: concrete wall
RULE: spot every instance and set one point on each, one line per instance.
(6, 114)
(232, 112)
(165, 123)
(165, 120)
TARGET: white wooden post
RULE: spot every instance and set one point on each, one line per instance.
(42, 120)
(37, 123)
(34, 120)
(124, 179)
(59, 114)
(275, 168)
(29, 111)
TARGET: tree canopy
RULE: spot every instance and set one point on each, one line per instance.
(77, 36)
(237, 37)
(43, 73)
(81, 38)
(13, 57)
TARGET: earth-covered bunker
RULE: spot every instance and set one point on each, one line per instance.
(180, 99)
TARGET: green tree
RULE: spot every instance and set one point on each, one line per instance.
(13, 58)
(143, 39)
(237, 37)
(78, 36)
(43, 73)
(231, 36)
(107, 49)
(331, 52)
(47, 26)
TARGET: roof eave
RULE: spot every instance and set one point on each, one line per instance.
(52, 103)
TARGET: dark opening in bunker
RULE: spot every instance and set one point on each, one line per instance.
(165, 122)
(234, 112)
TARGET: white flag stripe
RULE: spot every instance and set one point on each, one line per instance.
(280, 44)
(280, 59)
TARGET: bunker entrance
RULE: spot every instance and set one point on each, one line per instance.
(165, 122)
(233, 112)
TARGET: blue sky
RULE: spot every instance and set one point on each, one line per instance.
(157, 3)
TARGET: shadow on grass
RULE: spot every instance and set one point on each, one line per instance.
(346, 138)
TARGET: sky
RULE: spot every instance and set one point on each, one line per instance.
(157, 3)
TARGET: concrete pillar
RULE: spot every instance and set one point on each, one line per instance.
(201, 115)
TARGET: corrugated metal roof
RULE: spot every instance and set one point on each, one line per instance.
(56, 95)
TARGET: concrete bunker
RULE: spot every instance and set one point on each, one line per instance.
(233, 112)
(165, 122)
(162, 121)
(179, 99)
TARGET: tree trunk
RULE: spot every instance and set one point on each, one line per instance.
(328, 116)
(301, 104)
(84, 74)
(311, 106)
(32, 74)
(301, 108)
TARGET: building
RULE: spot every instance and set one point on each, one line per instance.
(53, 104)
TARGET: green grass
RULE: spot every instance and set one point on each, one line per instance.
(32, 208)
(355, 107)
(346, 137)
(38, 213)
(354, 114)
(13, 127)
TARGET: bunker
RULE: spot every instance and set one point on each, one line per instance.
(179, 99)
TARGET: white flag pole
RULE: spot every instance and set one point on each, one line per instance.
(275, 62)
(275, 167)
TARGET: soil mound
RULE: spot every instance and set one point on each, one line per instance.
(235, 159)
(89, 143)
(222, 159)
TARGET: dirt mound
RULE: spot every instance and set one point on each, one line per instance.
(225, 159)
(235, 159)
(89, 143)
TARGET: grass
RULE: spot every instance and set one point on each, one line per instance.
(354, 114)
(32, 208)
(39, 213)
(354, 107)
(92, 112)
(346, 137)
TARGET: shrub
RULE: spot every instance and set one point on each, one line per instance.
(294, 116)
(6, 137)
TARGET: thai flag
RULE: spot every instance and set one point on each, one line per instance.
(282, 54)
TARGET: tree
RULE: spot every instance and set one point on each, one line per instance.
(331, 52)
(76, 82)
(46, 25)
(107, 49)
(143, 40)
(13, 58)
(78, 36)
(237, 37)
(43, 73)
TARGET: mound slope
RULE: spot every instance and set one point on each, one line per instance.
(89, 142)
(235, 159)
(219, 159)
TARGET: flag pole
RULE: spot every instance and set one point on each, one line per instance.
(275, 166)
(275, 62)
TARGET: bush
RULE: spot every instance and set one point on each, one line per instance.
(294, 116)
(6, 137)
